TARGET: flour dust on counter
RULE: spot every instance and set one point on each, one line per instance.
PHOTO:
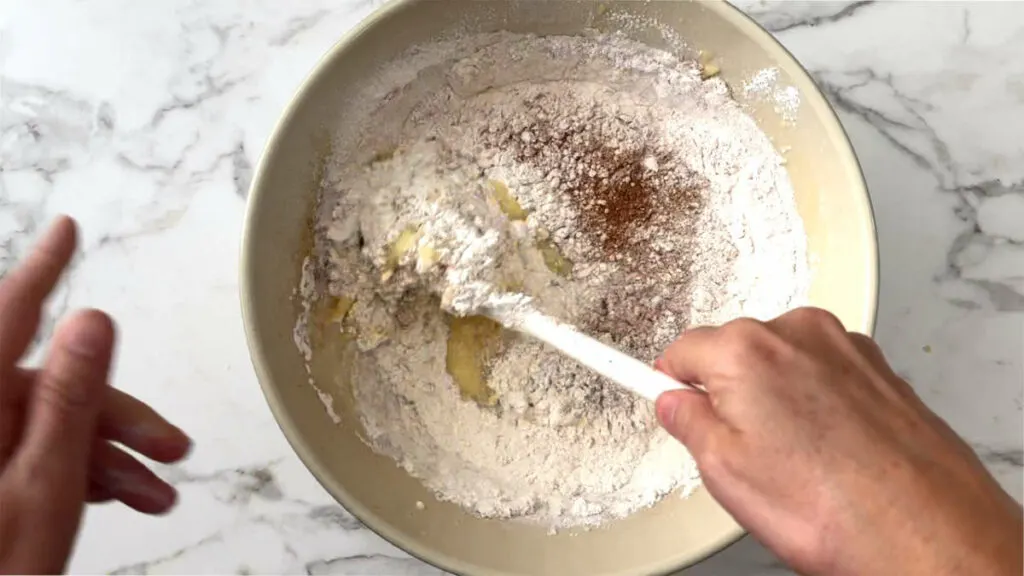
(608, 184)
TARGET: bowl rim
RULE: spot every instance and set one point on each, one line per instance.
(813, 96)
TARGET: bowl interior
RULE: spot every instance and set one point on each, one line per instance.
(831, 198)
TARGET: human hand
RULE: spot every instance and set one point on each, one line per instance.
(811, 441)
(59, 425)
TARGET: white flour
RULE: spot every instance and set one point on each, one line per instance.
(603, 179)
(428, 219)
(764, 86)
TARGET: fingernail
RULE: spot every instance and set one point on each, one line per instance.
(189, 445)
(179, 446)
(666, 407)
(91, 332)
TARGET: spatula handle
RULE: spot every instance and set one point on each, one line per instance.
(618, 367)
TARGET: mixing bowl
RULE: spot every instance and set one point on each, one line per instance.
(832, 201)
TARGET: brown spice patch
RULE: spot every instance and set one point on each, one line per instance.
(617, 206)
(637, 205)
(619, 190)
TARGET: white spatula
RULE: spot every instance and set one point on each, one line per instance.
(618, 367)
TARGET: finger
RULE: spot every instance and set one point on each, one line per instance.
(14, 390)
(23, 289)
(66, 399)
(126, 479)
(691, 357)
(131, 422)
(97, 494)
(688, 416)
(51, 464)
(22, 292)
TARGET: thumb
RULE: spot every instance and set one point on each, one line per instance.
(687, 415)
(67, 396)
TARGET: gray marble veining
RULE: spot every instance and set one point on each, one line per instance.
(144, 120)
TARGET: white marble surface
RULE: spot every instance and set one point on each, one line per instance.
(143, 120)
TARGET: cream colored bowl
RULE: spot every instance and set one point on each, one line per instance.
(677, 532)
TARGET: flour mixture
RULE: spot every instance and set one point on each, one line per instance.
(603, 182)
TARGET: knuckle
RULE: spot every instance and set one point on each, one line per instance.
(865, 343)
(746, 339)
(904, 387)
(28, 480)
(63, 387)
(74, 374)
(816, 317)
(743, 331)
(714, 462)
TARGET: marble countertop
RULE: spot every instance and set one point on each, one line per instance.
(143, 120)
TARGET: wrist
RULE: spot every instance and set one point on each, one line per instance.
(987, 539)
(938, 525)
